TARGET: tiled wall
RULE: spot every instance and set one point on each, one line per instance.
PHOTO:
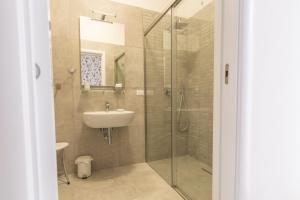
(128, 142)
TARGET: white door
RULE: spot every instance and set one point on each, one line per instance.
(27, 144)
(43, 99)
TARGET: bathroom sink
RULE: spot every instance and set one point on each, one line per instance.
(107, 119)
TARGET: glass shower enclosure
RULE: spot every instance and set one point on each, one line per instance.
(179, 97)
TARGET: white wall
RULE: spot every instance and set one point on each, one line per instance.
(269, 148)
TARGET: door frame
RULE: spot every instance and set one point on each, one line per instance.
(225, 99)
(225, 139)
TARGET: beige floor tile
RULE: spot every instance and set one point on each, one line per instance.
(192, 180)
(133, 182)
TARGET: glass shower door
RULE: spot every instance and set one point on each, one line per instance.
(179, 97)
(193, 127)
(158, 95)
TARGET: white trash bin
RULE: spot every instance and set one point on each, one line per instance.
(84, 166)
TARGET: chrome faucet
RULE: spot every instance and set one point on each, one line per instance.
(107, 106)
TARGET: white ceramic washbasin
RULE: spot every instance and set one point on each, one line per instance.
(108, 119)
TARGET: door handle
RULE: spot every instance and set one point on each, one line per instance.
(226, 74)
(37, 71)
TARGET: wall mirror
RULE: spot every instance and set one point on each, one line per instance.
(102, 54)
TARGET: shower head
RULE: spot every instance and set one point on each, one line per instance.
(180, 24)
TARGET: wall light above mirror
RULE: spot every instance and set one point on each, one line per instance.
(102, 51)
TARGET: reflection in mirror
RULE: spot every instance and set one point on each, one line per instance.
(119, 71)
(102, 53)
